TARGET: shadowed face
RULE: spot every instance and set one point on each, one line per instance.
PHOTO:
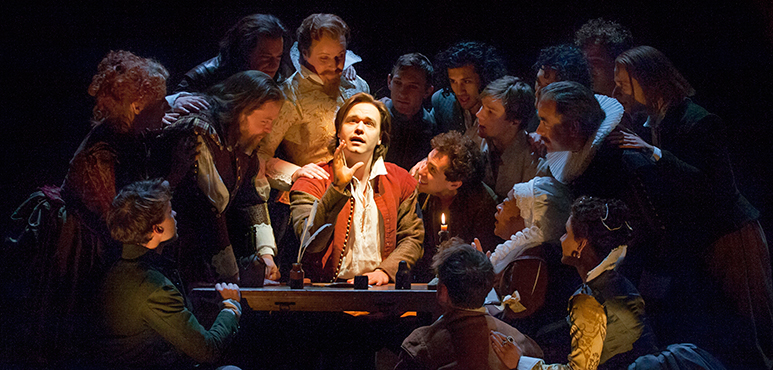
(258, 123)
(508, 219)
(267, 55)
(465, 83)
(554, 136)
(408, 88)
(545, 76)
(628, 91)
(602, 68)
(326, 56)
(570, 243)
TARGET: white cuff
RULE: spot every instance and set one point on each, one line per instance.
(264, 239)
(529, 363)
(656, 153)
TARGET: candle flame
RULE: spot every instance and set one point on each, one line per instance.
(443, 218)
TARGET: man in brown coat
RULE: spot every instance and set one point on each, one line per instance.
(461, 337)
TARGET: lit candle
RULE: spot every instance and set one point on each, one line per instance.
(443, 225)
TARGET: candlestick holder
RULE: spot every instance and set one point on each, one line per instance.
(442, 236)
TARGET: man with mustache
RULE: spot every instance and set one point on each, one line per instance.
(313, 95)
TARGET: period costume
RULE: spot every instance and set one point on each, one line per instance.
(305, 124)
(470, 216)
(145, 320)
(527, 266)
(705, 216)
(222, 210)
(512, 166)
(396, 230)
(459, 340)
(409, 139)
(65, 242)
(609, 327)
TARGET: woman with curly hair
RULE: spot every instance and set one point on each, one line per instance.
(609, 328)
(68, 246)
(111, 156)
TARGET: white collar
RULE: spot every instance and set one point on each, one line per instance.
(566, 166)
(613, 259)
(511, 249)
(378, 168)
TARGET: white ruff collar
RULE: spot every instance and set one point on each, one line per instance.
(565, 166)
(510, 250)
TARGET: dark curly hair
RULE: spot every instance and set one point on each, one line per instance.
(465, 162)
(123, 78)
(659, 79)
(241, 39)
(136, 209)
(614, 37)
(516, 96)
(467, 273)
(602, 222)
(484, 58)
(567, 61)
(386, 122)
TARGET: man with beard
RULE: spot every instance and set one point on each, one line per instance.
(313, 96)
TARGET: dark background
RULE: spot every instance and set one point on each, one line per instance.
(50, 51)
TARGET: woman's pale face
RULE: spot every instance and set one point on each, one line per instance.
(508, 219)
(569, 243)
(256, 124)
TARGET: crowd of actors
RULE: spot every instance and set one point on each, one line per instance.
(603, 175)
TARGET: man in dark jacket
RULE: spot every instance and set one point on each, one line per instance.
(144, 319)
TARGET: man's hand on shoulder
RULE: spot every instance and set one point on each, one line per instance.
(312, 171)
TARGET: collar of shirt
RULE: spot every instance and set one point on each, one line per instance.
(613, 259)
(378, 168)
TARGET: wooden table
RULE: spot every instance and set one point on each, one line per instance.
(319, 298)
